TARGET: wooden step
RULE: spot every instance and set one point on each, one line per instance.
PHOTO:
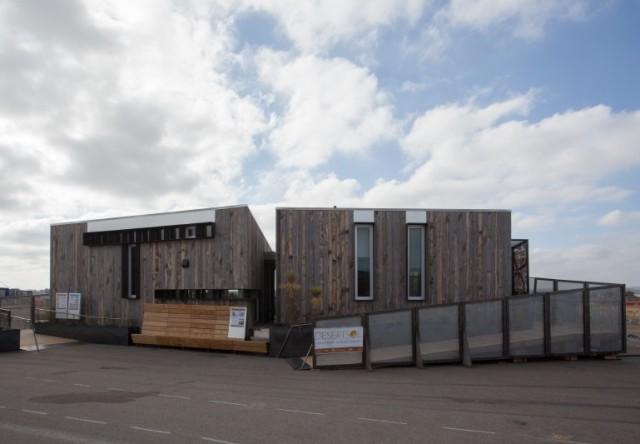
(205, 343)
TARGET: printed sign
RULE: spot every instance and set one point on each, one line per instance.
(62, 305)
(73, 311)
(237, 322)
(338, 339)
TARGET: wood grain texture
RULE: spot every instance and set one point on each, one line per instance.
(468, 258)
(233, 259)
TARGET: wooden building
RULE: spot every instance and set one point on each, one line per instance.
(337, 261)
(198, 256)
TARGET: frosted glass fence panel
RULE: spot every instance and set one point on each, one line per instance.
(566, 321)
(563, 285)
(544, 286)
(484, 329)
(439, 333)
(526, 326)
(390, 338)
(605, 313)
(343, 358)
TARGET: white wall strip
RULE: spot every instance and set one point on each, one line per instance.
(153, 220)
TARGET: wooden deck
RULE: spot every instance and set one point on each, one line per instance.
(192, 326)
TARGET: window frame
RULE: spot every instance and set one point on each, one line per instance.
(371, 269)
(423, 268)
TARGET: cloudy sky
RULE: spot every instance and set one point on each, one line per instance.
(118, 107)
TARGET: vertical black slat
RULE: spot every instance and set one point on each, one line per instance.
(527, 282)
(135, 271)
(313, 349)
(462, 328)
(124, 282)
(513, 270)
(32, 311)
(506, 352)
(407, 264)
(623, 305)
(363, 323)
(546, 298)
(367, 344)
(535, 285)
(416, 339)
(586, 318)
(555, 285)
(414, 334)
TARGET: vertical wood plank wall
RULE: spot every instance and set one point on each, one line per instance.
(468, 258)
(234, 258)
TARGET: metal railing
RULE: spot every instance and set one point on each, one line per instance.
(564, 318)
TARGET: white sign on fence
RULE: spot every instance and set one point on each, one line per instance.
(237, 322)
(74, 301)
(68, 305)
(338, 339)
(62, 305)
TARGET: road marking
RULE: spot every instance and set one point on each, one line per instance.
(219, 441)
(2, 407)
(304, 412)
(82, 385)
(456, 429)
(564, 441)
(163, 395)
(228, 403)
(116, 389)
(385, 421)
(91, 421)
(34, 412)
(143, 429)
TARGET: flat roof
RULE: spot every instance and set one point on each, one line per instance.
(190, 216)
(434, 210)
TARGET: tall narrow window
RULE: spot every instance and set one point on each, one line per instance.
(415, 262)
(364, 262)
(130, 271)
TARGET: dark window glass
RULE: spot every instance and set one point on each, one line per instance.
(364, 261)
(415, 261)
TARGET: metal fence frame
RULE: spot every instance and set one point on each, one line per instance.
(364, 345)
(506, 326)
(5, 319)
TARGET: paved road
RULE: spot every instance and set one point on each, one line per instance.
(82, 393)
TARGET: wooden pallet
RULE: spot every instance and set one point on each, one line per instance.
(191, 326)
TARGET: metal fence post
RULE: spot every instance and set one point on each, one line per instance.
(586, 318)
(505, 329)
(546, 298)
(416, 338)
(367, 346)
(623, 297)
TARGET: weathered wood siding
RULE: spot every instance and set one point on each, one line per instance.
(232, 259)
(468, 258)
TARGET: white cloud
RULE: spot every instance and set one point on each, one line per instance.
(114, 108)
(526, 17)
(318, 25)
(619, 217)
(478, 156)
(614, 257)
(331, 106)
(454, 124)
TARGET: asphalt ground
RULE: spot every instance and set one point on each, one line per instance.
(85, 393)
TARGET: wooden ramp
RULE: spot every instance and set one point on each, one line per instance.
(191, 326)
